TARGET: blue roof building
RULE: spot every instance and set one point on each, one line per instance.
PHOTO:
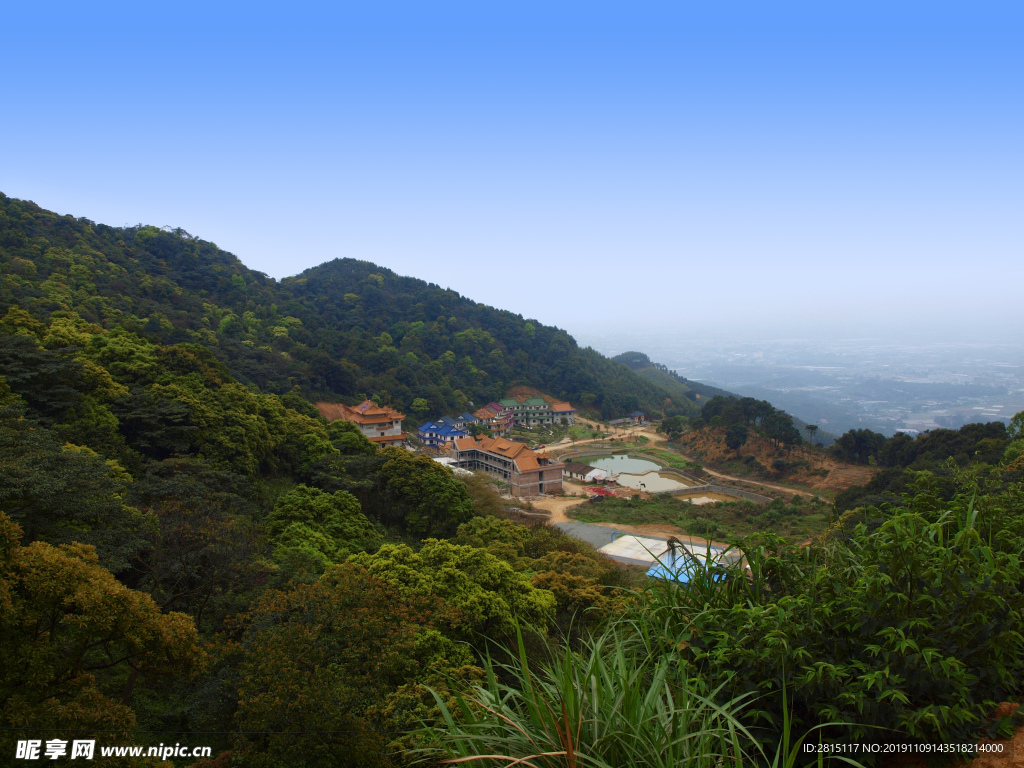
(464, 420)
(436, 434)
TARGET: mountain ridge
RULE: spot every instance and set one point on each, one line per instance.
(345, 329)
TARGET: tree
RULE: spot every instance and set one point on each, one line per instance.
(326, 665)
(419, 408)
(735, 437)
(349, 439)
(50, 381)
(574, 575)
(1016, 427)
(484, 493)
(674, 426)
(199, 554)
(63, 493)
(859, 445)
(325, 526)
(811, 429)
(779, 428)
(488, 594)
(420, 495)
(76, 643)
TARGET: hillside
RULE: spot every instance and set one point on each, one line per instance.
(670, 381)
(343, 330)
(760, 458)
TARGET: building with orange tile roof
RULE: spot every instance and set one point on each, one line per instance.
(380, 424)
(561, 411)
(527, 473)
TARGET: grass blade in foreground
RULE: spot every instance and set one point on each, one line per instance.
(610, 704)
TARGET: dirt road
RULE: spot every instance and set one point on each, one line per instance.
(648, 432)
(558, 506)
(757, 483)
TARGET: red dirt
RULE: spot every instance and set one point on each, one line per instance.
(330, 411)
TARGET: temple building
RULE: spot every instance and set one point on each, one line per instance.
(380, 424)
(527, 473)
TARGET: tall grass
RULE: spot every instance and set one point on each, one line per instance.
(637, 694)
(611, 702)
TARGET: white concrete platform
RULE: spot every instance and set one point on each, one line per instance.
(637, 550)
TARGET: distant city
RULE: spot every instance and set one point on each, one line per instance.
(847, 384)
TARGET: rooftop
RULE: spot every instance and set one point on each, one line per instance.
(638, 550)
(577, 468)
(367, 412)
(445, 430)
(524, 458)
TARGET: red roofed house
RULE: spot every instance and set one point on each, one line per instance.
(527, 473)
(496, 418)
(380, 424)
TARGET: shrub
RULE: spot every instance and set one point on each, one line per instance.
(909, 620)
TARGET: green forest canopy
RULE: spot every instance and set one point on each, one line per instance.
(346, 329)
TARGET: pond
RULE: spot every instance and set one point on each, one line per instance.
(613, 465)
(633, 473)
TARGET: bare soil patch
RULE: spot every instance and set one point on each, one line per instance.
(804, 466)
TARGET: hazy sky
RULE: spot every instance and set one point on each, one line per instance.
(596, 166)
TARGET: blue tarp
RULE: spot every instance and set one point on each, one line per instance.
(680, 566)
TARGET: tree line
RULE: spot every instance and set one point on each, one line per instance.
(943, 453)
(737, 415)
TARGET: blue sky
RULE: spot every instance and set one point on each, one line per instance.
(742, 166)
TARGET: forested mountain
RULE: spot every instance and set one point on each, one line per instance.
(345, 329)
(185, 538)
